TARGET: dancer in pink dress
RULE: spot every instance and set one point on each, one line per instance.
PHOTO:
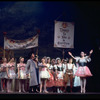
(83, 71)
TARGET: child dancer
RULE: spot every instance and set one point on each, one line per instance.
(10, 73)
(3, 75)
(44, 75)
(83, 71)
(21, 74)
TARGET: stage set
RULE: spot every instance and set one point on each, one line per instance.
(50, 44)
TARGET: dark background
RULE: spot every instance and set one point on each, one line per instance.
(22, 19)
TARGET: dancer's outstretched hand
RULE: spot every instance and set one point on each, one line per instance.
(69, 53)
(91, 51)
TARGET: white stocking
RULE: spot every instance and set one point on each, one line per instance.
(81, 82)
(23, 85)
(19, 85)
(84, 84)
(41, 86)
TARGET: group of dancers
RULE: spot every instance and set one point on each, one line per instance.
(48, 75)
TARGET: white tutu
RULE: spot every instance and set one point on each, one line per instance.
(12, 74)
(44, 74)
(3, 75)
(22, 75)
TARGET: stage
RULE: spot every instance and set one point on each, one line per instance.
(17, 95)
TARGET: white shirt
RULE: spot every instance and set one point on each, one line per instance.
(70, 66)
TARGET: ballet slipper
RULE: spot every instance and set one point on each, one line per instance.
(9, 91)
(19, 91)
(45, 91)
(84, 90)
(40, 91)
(81, 91)
(37, 91)
(24, 91)
(2, 91)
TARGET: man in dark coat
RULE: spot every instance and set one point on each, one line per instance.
(32, 68)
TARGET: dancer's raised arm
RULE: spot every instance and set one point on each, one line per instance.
(71, 55)
(90, 53)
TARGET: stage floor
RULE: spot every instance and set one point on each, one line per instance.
(73, 93)
(77, 95)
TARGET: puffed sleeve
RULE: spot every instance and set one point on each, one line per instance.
(88, 59)
(77, 59)
(51, 67)
(55, 66)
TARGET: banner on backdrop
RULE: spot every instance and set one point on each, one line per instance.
(21, 44)
(64, 34)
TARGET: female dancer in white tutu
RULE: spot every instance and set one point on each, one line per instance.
(44, 75)
(10, 73)
(83, 71)
(3, 75)
(21, 74)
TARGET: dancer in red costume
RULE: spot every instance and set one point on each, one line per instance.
(59, 79)
(50, 82)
